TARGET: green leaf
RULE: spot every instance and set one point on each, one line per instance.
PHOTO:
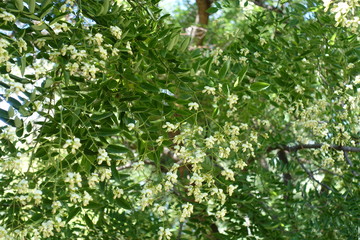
(46, 8)
(212, 10)
(23, 65)
(208, 66)
(18, 122)
(115, 172)
(117, 149)
(149, 87)
(241, 76)
(88, 222)
(67, 77)
(106, 132)
(19, 5)
(29, 127)
(173, 41)
(32, 6)
(58, 18)
(123, 203)
(72, 213)
(332, 39)
(224, 69)
(104, 8)
(39, 27)
(11, 112)
(97, 117)
(185, 44)
(259, 86)
(48, 83)
(13, 102)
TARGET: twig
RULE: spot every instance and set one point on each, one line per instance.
(296, 148)
(309, 173)
(347, 159)
(286, 175)
(180, 231)
(314, 146)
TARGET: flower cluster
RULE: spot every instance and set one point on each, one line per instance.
(103, 157)
(73, 143)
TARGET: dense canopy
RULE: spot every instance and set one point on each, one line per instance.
(122, 122)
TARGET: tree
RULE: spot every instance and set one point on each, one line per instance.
(114, 128)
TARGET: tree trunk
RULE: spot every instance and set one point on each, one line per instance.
(202, 19)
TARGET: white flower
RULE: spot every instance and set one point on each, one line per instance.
(224, 152)
(92, 70)
(357, 79)
(116, 31)
(243, 60)
(104, 174)
(231, 189)
(256, 54)
(9, 133)
(93, 180)
(74, 197)
(102, 51)
(37, 196)
(3, 233)
(98, 38)
(72, 179)
(47, 228)
(350, 66)
(172, 177)
(72, 67)
(244, 51)
(118, 192)
(221, 214)
(171, 127)
(58, 224)
(86, 198)
(164, 233)
(247, 222)
(209, 90)
(74, 143)
(159, 140)
(326, 4)
(130, 126)
(159, 209)
(128, 47)
(197, 179)
(232, 100)
(187, 210)
(262, 41)
(229, 174)
(7, 17)
(103, 157)
(22, 186)
(299, 89)
(193, 105)
(210, 141)
(40, 42)
(55, 206)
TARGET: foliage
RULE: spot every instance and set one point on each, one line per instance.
(116, 128)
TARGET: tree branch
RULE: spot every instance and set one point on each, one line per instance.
(283, 158)
(309, 173)
(314, 146)
(202, 17)
(347, 159)
(296, 148)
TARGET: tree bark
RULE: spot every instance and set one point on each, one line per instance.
(202, 19)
